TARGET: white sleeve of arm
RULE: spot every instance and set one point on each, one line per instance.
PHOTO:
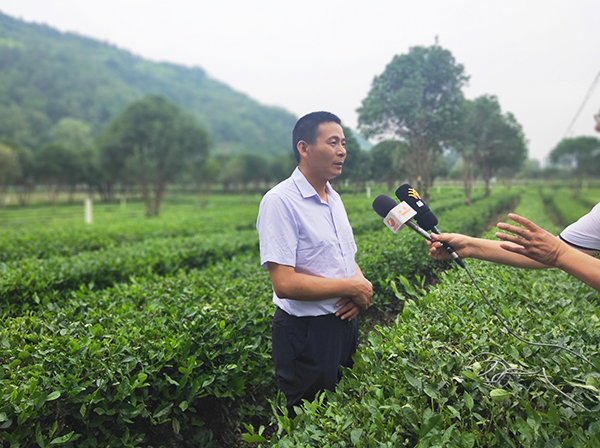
(584, 233)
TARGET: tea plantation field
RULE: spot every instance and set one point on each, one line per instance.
(137, 332)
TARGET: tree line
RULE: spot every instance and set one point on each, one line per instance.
(416, 109)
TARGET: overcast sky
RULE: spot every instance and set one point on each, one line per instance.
(540, 58)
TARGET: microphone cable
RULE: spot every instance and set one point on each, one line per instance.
(511, 371)
(384, 205)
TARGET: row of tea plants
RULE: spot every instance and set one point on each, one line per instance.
(153, 341)
(448, 373)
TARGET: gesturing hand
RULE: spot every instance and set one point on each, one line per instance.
(531, 241)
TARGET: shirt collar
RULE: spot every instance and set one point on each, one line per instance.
(306, 189)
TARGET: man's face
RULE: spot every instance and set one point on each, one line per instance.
(325, 157)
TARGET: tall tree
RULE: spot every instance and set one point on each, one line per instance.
(507, 152)
(231, 172)
(579, 155)
(153, 139)
(356, 164)
(9, 168)
(387, 162)
(205, 173)
(57, 166)
(417, 99)
(490, 140)
(72, 132)
(75, 135)
(282, 166)
(26, 178)
(255, 168)
(530, 169)
(478, 135)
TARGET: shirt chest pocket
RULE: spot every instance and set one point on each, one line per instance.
(317, 239)
(326, 241)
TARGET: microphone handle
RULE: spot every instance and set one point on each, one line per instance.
(450, 250)
(419, 230)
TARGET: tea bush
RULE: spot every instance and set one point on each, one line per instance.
(156, 333)
(448, 373)
(161, 358)
(114, 227)
(40, 281)
(566, 204)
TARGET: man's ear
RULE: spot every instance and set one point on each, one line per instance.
(302, 147)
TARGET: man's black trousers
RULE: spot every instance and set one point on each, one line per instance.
(307, 352)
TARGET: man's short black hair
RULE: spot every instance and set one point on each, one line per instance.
(306, 128)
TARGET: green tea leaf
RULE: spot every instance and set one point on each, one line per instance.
(39, 438)
(253, 438)
(584, 386)
(62, 439)
(414, 382)
(14, 364)
(374, 338)
(430, 391)
(171, 380)
(162, 410)
(410, 415)
(355, 435)
(430, 424)
(53, 396)
(469, 374)
(467, 440)
(553, 416)
(499, 395)
(468, 400)
(208, 381)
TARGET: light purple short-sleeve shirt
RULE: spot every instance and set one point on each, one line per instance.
(296, 228)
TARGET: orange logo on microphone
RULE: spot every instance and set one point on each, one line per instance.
(391, 222)
(413, 193)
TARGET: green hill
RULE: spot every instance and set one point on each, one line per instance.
(47, 75)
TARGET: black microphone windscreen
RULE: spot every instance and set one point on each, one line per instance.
(425, 217)
(427, 220)
(409, 195)
(383, 204)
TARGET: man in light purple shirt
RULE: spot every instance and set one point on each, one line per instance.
(307, 245)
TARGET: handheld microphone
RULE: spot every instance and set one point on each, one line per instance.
(425, 216)
(396, 216)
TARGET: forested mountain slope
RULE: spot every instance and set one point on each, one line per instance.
(47, 75)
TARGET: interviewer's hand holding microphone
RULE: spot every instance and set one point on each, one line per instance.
(532, 248)
(541, 248)
(397, 216)
(529, 246)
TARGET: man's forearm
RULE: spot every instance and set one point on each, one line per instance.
(305, 287)
(289, 284)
